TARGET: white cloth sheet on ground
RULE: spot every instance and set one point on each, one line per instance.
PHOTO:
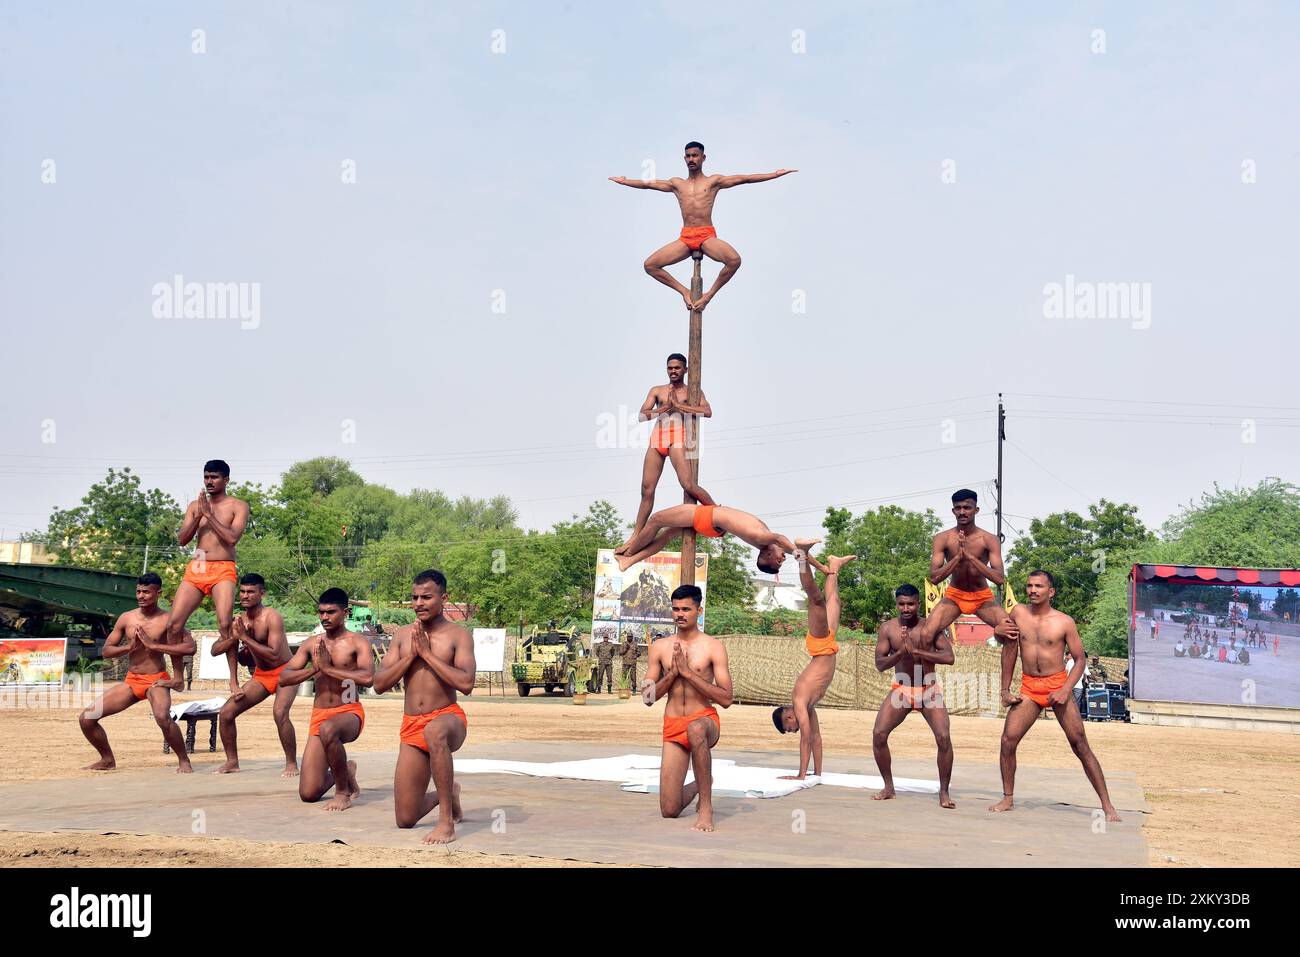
(639, 773)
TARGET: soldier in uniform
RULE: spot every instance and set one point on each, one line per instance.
(604, 666)
(630, 652)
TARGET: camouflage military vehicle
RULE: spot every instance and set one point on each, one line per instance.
(551, 658)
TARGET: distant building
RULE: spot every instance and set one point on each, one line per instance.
(771, 595)
(969, 630)
(25, 553)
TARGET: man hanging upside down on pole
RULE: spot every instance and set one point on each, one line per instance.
(690, 670)
(668, 403)
(1044, 636)
(711, 521)
(810, 687)
(695, 196)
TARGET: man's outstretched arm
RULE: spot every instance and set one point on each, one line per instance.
(660, 184)
(739, 179)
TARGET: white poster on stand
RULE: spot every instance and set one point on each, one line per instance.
(490, 649)
(210, 668)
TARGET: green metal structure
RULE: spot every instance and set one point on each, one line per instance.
(56, 601)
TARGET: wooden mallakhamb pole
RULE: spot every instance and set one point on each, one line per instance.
(691, 426)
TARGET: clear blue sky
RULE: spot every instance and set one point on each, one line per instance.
(481, 171)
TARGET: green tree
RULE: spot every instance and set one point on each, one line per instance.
(729, 581)
(366, 511)
(892, 545)
(261, 549)
(1076, 550)
(114, 523)
(542, 575)
(1256, 527)
(322, 476)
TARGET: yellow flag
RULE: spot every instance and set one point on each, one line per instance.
(932, 595)
(1008, 598)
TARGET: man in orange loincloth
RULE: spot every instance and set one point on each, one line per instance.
(1044, 636)
(668, 404)
(260, 632)
(434, 659)
(690, 670)
(140, 634)
(810, 687)
(695, 195)
(973, 557)
(711, 521)
(341, 663)
(218, 522)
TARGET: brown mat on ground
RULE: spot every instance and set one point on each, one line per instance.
(1053, 823)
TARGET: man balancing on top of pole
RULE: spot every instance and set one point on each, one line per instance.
(695, 195)
(668, 403)
(711, 521)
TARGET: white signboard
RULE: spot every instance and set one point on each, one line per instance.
(490, 649)
(210, 669)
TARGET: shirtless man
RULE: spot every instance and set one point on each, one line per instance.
(218, 520)
(695, 196)
(668, 403)
(341, 663)
(139, 634)
(1044, 636)
(260, 631)
(690, 670)
(435, 659)
(973, 557)
(912, 646)
(711, 521)
(810, 687)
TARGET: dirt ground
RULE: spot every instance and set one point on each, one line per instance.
(1209, 791)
